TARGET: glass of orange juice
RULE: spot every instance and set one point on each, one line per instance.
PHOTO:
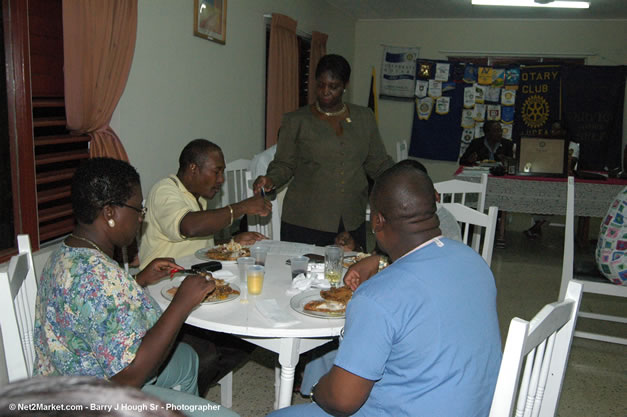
(254, 278)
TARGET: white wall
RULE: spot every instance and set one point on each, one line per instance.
(605, 39)
(183, 87)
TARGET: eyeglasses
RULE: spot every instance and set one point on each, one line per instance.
(141, 211)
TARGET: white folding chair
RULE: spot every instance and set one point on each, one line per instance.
(483, 225)
(457, 191)
(236, 183)
(593, 282)
(18, 293)
(464, 192)
(402, 150)
(544, 344)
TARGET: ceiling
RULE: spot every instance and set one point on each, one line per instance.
(416, 9)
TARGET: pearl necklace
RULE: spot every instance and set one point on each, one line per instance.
(331, 113)
(84, 239)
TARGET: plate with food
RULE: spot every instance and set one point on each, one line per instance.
(224, 292)
(225, 253)
(327, 304)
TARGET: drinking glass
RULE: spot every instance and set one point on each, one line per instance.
(259, 253)
(254, 277)
(333, 257)
(299, 265)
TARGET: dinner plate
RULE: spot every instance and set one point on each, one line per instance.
(231, 297)
(299, 300)
(202, 254)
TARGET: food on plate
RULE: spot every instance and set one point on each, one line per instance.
(228, 251)
(334, 300)
(340, 294)
(222, 292)
(350, 260)
(325, 306)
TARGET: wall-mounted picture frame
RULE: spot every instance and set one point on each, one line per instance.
(210, 20)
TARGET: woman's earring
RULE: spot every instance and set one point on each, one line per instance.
(111, 223)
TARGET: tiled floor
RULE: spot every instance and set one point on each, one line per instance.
(527, 276)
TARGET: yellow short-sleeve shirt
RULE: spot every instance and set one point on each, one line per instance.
(168, 202)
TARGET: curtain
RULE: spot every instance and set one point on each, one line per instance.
(317, 51)
(99, 42)
(282, 75)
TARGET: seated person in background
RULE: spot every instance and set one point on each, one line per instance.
(491, 147)
(92, 318)
(612, 243)
(178, 222)
(422, 336)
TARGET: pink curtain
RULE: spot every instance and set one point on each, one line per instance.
(282, 74)
(318, 50)
(99, 42)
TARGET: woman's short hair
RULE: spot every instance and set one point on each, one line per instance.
(80, 396)
(337, 65)
(195, 152)
(98, 182)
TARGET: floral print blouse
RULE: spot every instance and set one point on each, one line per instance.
(90, 315)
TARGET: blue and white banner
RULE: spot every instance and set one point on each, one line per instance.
(398, 71)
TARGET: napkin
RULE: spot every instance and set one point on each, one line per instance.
(270, 309)
(223, 274)
(301, 282)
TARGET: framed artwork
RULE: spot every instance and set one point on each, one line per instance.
(544, 157)
(210, 20)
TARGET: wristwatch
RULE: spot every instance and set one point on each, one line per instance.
(383, 262)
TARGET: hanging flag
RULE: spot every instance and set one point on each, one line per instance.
(373, 98)
(538, 101)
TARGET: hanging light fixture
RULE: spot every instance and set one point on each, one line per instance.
(532, 3)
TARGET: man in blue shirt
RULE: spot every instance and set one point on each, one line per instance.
(422, 336)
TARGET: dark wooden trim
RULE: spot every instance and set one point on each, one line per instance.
(20, 118)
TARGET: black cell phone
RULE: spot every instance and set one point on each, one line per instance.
(210, 266)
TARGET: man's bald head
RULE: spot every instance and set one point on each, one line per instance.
(404, 194)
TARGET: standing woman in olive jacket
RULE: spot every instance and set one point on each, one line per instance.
(328, 149)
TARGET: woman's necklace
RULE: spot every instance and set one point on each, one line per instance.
(84, 239)
(331, 113)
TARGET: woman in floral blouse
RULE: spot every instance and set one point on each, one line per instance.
(94, 319)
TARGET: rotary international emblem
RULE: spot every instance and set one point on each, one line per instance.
(535, 111)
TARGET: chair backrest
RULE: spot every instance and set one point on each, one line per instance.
(402, 150)
(457, 191)
(544, 345)
(18, 293)
(591, 283)
(236, 185)
(483, 225)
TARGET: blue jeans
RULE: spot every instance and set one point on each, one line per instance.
(181, 372)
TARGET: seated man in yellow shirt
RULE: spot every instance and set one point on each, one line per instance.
(178, 222)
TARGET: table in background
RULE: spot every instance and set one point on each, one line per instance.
(547, 195)
(245, 321)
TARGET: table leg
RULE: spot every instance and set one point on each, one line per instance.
(288, 358)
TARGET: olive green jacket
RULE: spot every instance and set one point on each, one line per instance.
(329, 172)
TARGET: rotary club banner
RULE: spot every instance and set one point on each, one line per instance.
(538, 100)
(593, 111)
(398, 71)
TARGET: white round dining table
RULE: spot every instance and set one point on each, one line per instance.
(241, 318)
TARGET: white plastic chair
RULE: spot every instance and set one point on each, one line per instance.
(593, 283)
(464, 192)
(236, 182)
(483, 225)
(544, 344)
(18, 293)
(402, 150)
